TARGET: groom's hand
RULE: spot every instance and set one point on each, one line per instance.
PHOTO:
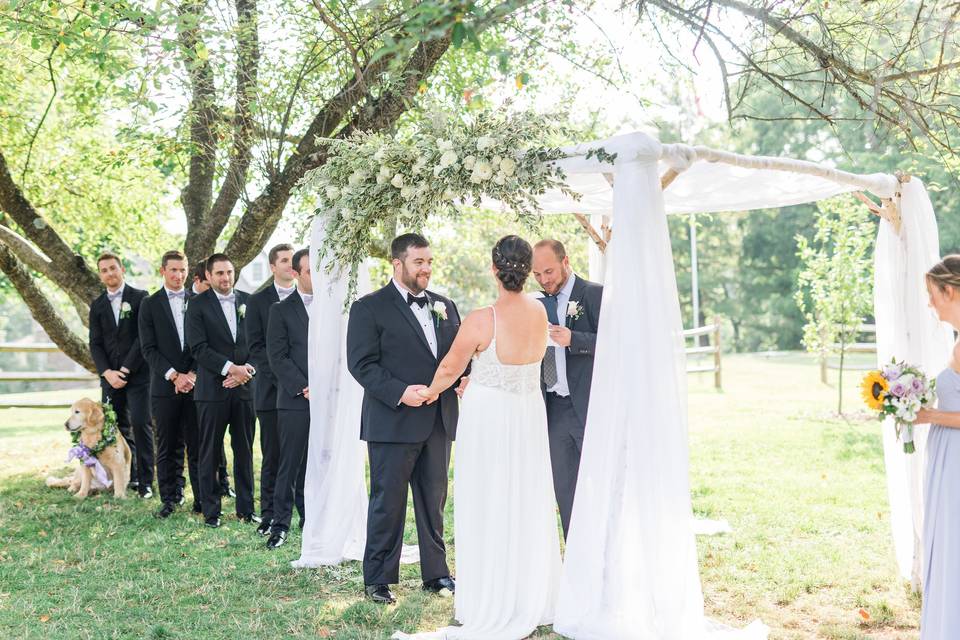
(410, 397)
(464, 381)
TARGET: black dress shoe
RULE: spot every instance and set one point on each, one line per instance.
(248, 517)
(213, 523)
(230, 492)
(166, 511)
(264, 528)
(277, 538)
(180, 499)
(146, 494)
(380, 593)
(438, 585)
(196, 508)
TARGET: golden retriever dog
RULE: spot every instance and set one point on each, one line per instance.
(86, 416)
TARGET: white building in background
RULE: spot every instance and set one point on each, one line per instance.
(255, 273)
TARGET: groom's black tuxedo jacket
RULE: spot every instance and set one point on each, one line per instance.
(211, 344)
(583, 342)
(288, 348)
(258, 313)
(386, 352)
(161, 344)
(114, 345)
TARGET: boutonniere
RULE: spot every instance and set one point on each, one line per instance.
(125, 310)
(439, 309)
(242, 311)
(574, 310)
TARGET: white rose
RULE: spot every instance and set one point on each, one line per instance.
(482, 171)
(407, 192)
(419, 165)
(484, 142)
(447, 159)
(380, 154)
(508, 166)
(496, 161)
(500, 178)
(468, 162)
(357, 178)
(332, 193)
(444, 145)
(397, 181)
(448, 194)
(346, 214)
(382, 179)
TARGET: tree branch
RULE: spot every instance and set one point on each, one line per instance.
(70, 270)
(43, 311)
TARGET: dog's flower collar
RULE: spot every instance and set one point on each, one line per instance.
(108, 436)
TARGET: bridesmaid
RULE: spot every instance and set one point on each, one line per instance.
(940, 619)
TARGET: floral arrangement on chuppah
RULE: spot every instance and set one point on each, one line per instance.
(370, 178)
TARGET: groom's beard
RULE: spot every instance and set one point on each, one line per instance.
(409, 280)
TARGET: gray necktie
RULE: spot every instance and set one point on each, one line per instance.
(550, 357)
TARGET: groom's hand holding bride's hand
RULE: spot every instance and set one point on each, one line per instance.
(427, 395)
(411, 397)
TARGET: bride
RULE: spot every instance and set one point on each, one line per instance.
(505, 523)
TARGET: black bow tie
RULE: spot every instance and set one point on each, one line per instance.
(412, 299)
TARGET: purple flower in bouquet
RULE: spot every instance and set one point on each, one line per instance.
(891, 371)
(916, 385)
(898, 389)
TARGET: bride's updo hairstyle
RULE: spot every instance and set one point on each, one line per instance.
(513, 257)
(946, 273)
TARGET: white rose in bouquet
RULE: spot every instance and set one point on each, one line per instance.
(508, 166)
(484, 142)
(482, 171)
(468, 162)
(444, 145)
(333, 193)
(500, 178)
(380, 154)
(407, 192)
(357, 178)
(448, 159)
(397, 181)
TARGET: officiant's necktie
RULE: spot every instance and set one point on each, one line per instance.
(550, 357)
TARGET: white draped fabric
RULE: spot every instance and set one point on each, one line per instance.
(631, 564)
(908, 330)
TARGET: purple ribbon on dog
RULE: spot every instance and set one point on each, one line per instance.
(86, 457)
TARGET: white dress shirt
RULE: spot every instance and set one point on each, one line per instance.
(115, 302)
(424, 316)
(229, 308)
(177, 306)
(284, 292)
(307, 298)
(562, 388)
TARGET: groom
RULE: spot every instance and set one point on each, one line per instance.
(396, 337)
(573, 310)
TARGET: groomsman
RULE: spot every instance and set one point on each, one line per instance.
(172, 377)
(265, 386)
(288, 348)
(216, 333)
(124, 377)
(573, 310)
(200, 285)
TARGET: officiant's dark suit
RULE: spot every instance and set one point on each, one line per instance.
(164, 347)
(566, 376)
(387, 350)
(264, 394)
(115, 344)
(212, 346)
(288, 350)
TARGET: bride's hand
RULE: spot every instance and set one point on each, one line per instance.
(924, 416)
(428, 395)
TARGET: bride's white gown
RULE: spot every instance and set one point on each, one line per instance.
(505, 522)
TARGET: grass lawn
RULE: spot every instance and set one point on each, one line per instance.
(803, 490)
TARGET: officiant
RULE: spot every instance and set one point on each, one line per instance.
(573, 310)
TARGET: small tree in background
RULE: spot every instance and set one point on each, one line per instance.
(835, 284)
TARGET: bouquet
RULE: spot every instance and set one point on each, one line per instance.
(899, 390)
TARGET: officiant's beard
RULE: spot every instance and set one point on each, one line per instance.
(416, 281)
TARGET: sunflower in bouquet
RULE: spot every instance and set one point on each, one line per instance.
(899, 391)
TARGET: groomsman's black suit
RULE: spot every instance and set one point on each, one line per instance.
(386, 351)
(567, 416)
(265, 394)
(212, 346)
(288, 348)
(174, 414)
(114, 345)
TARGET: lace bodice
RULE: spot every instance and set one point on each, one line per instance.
(488, 371)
